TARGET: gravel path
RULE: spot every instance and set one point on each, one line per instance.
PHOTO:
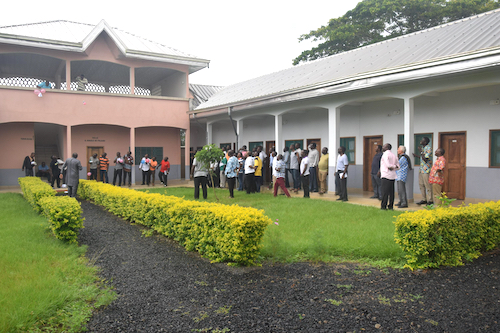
(163, 288)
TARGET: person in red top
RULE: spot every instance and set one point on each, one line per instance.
(164, 170)
(436, 177)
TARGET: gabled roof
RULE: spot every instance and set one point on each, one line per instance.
(77, 37)
(201, 93)
(471, 37)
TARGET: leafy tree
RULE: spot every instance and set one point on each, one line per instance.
(372, 21)
(208, 155)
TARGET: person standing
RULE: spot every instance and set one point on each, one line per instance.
(388, 166)
(401, 175)
(323, 170)
(375, 173)
(127, 168)
(313, 167)
(164, 170)
(280, 176)
(258, 164)
(249, 174)
(103, 167)
(263, 158)
(231, 172)
(118, 169)
(286, 159)
(436, 176)
(222, 171)
(81, 82)
(93, 162)
(304, 172)
(199, 173)
(144, 167)
(153, 165)
(241, 171)
(425, 168)
(341, 174)
(73, 167)
(28, 165)
(54, 167)
(295, 168)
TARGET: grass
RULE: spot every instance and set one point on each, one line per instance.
(316, 230)
(45, 284)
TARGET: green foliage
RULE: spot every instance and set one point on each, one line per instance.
(64, 214)
(46, 285)
(448, 236)
(219, 232)
(209, 154)
(34, 189)
(372, 21)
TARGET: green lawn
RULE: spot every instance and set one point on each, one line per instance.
(316, 229)
(45, 284)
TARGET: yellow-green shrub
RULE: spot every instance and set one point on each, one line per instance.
(219, 232)
(447, 236)
(64, 214)
(34, 189)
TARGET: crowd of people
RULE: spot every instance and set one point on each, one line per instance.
(295, 169)
(387, 170)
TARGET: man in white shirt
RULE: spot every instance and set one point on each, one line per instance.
(313, 167)
(304, 172)
(249, 179)
(341, 173)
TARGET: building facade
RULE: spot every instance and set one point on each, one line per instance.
(136, 98)
(443, 83)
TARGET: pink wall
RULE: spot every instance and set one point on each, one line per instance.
(168, 138)
(17, 142)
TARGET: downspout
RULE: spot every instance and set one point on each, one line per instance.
(234, 128)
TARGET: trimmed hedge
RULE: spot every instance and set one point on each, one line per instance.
(448, 236)
(219, 232)
(64, 213)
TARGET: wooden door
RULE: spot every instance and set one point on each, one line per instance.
(454, 173)
(266, 169)
(90, 152)
(370, 144)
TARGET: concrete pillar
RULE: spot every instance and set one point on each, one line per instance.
(68, 143)
(278, 133)
(409, 138)
(132, 80)
(209, 133)
(333, 144)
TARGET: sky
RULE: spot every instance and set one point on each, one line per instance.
(242, 40)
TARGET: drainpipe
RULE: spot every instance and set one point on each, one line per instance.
(234, 128)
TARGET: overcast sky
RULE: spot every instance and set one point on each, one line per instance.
(242, 40)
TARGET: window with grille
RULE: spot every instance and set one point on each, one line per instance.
(151, 151)
(495, 148)
(350, 148)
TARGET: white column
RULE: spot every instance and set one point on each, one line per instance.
(278, 133)
(409, 143)
(209, 133)
(333, 144)
(132, 150)
(239, 127)
(132, 80)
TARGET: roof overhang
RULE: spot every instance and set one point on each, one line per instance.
(468, 62)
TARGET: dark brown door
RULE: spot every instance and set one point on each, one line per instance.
(266, 169)
(454, 173)
(370, 144)
(91, 151)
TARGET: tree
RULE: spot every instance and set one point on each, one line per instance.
(372, 21)
(208, 155)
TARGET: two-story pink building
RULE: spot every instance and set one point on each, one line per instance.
(136, 99)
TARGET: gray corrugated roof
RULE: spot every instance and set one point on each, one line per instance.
(457, 38)
(62, 33)
(201, 93)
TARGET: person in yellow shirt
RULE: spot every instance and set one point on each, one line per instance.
(323, 170)
(152, 168)
(258, 171)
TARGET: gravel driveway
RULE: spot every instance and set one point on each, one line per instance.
(163, 288)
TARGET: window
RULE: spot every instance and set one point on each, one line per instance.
(416, 143)
(350, 148)
(255, 144)
(151, 151)
(224, 145)
(288, 143)
(495, 148)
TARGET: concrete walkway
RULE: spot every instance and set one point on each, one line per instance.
(356, 196)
